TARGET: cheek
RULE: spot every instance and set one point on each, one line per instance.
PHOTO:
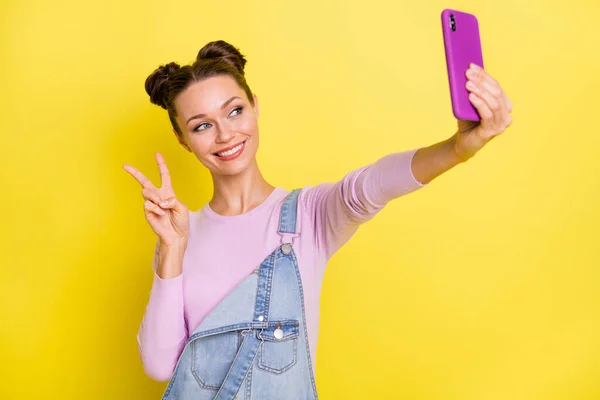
(201, 144)
(246, 125)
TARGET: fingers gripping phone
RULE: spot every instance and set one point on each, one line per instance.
(462, 46)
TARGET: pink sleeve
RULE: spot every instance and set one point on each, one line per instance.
(338, 209)
(162, 333)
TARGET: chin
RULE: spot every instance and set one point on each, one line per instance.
(233, 170)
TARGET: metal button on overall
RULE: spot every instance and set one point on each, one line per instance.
(278, 333)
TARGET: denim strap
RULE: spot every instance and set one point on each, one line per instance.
(288, 215)
(242, 363)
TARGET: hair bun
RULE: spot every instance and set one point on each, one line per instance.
(225, 51)
(157, 84)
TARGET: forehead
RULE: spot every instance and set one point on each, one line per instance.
(207, 96)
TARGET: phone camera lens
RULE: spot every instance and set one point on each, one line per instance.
(452, 22)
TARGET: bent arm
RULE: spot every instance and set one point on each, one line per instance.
(162, 334)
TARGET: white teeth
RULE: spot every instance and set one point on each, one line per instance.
(232, 151)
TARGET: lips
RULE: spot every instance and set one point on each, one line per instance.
(232, 152)
(228, 148)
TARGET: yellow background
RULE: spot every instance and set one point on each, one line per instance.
(483, 285)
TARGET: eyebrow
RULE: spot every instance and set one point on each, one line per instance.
(222, 107)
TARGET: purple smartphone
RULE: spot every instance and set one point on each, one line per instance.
(463, 46)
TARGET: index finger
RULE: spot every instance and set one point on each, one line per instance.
(165, 178)
(145, 182)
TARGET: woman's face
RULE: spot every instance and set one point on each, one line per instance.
(219, 124)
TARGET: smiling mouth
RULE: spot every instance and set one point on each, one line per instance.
(230, 150)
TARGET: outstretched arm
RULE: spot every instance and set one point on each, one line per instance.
(337, 209)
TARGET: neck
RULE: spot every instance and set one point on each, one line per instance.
(238, 194)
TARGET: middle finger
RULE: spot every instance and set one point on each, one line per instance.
(165, 177)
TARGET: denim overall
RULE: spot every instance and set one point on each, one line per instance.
(253, 344)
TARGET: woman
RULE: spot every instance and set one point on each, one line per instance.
(234, 306)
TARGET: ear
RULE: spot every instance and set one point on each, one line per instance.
(181, 141)
(255, 104)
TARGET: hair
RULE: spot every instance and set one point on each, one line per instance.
(214, 59)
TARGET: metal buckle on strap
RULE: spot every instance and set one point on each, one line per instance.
(287, 241)
(286, 248)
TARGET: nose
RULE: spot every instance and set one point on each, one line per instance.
(224, 134)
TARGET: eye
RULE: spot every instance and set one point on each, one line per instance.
(196, 128)
(237, 108)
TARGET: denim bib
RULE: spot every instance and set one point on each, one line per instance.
(253, 345)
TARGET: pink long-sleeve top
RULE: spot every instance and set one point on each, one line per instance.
(223, 250)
